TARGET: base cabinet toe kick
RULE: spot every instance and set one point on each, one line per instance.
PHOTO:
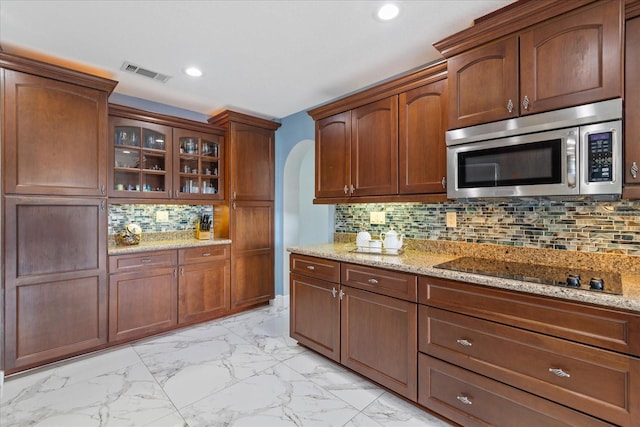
(476, 355)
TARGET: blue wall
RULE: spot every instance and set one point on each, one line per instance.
(295, 128)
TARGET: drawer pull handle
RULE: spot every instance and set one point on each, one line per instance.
(206, 254)
(145, 260)
(559, 372)
(334, 292)
(465, 400)
(373, 281)
(465, 343)
(310, 267)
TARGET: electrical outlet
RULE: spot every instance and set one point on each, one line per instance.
(377, 218)
(452, 219)
(162, 216)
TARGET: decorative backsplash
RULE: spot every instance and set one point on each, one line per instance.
(181, 217)
(612, 227)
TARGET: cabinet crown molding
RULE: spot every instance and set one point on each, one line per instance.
(222, 119)
(32, 66)
(503, 22)
(162, 119)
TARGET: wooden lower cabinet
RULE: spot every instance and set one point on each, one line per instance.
(55, 279)
(474, 400)
(204, 284)
(379, 339)
(142, 303)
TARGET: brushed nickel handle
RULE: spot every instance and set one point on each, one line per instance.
(234, 195)
(175, 272)
(341, 294)
(464, 342)
(464, 399)
(352, 189)
(373, 281)
(346, 189)
(334, 292)
(634, 170)
(145, 260)
(444, 182)
(310, 267)
(182, 271)
(510, 106)
(234, 206)
(103, 205)
(206, 254)
(559, 372)
(526, 102)
(102, 189)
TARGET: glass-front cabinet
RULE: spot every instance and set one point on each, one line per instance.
(198, 165)
(141, 159)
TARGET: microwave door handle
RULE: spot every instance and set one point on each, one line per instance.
(571, 159)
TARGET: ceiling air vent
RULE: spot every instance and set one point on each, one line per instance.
(132, 68)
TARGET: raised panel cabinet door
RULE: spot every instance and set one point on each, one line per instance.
(315, 315)
(333, 156)
(55, 137)
(423, 150)
(54, 277)
(632, 109)
(204, 291)
(252, 253)
(379, 339)
(573, 59)
(142, 303)
(374, 148)
(253, 162)
(483, 84)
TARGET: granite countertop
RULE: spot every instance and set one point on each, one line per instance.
(421, 262)
(158, 245)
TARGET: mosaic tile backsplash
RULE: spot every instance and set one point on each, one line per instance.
(181, 217)
(611, 227)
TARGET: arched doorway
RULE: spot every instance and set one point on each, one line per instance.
(303, 222)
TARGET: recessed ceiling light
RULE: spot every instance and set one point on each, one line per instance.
(388, 12)
(193, 71)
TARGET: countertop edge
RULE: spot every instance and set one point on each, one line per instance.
(165, 245)
(422, 263)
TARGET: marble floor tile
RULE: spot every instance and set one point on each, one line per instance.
(243, 370)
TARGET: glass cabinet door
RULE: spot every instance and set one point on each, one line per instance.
(199, 160)
(141, 159)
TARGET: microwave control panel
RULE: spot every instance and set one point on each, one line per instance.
(600, 147)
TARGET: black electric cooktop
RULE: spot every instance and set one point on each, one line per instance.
(590, 280)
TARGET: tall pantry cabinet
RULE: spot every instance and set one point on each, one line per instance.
(250, 212)
(54, 175)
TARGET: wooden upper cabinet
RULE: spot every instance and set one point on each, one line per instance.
(422, 151)
(632, 111)
(252, 162)
(571, 59)
(333, 155)
(374, 148)
(484, 84)
(198, 166)
(55, 136)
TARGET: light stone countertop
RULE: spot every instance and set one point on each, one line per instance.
(159, 245)
(419, 262)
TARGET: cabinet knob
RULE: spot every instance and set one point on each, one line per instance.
(102, 189)
(373, 281)
(465, 343)
(559, 372)
(510, 106)
(464, 399)
(526, 102)
(310, 267)
(334, 292)
(234, 206)
(634, 170)
(346, 189)
(352, 189)
(341, 294)
(444, 182)
(234, 195)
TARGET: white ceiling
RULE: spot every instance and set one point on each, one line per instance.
(269, 58)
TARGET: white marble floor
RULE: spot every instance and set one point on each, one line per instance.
(243, 370)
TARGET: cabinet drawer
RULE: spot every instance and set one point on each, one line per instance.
(591, 380)
(474, 400)
(319, 268)
(122, 263)
(602, 327)
(203, 254)
(393, 284)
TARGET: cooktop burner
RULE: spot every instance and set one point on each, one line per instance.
(599, 281)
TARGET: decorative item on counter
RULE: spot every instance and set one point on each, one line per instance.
(392, 240)
(131, 235)
(203, 228)
(363, 238)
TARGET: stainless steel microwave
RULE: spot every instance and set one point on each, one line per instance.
(570, 153)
